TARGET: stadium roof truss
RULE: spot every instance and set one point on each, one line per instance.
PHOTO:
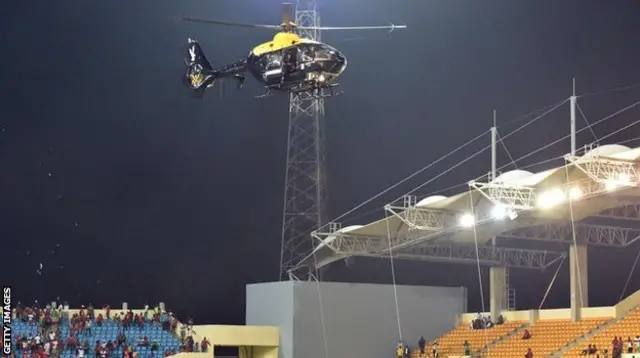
(604, 182)
(627, 212)
(344, 245)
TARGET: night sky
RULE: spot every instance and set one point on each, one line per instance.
(127, 189)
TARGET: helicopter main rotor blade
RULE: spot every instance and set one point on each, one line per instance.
(348, 28)
(227, 23)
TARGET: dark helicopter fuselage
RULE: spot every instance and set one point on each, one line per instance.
(297, 68)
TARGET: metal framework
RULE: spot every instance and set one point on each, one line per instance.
(420, 219)
(408, 245)
(487, 255)
(304, 193)
(606, 170)
(603, 176)
(514, 197)
(597, 235)
(627, 212)
(343, 244)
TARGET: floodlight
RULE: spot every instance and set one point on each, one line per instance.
(499, 211)
(610, 186)
(550, 198)
(575, 193)
(624, 178)
(467, 220)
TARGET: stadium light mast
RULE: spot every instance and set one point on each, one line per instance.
(573, 102)
(494, 147)
(305, 176)
(494, 156)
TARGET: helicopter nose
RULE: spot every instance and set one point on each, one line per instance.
(339, 60)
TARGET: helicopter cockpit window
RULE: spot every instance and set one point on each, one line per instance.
(324, 53)
(314, 52)
(272, 61)
(309, 53)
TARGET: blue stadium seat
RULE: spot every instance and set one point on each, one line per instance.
(109, 331)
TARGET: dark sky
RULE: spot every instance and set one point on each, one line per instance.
(127, 189)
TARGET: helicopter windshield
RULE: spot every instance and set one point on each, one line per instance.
(317, 51)
(272, 61)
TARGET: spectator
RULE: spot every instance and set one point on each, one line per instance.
(406, 352)
(399, 350)
(588, 351)
(205, 345)
(529, 353)
(467, 348)
(421, 345)
(616, 347)
(436, 348)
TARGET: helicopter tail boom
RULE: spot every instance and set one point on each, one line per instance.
(200, 75)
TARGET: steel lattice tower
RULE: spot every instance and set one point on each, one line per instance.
(304, 193)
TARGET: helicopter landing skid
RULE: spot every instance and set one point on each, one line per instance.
(267, 94)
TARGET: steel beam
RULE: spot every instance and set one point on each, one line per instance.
(597, 235)
(611, 171)
(425, 224)
(421, 219)
(347, 245)
(509, 196)
(486, 255)
(627, 212)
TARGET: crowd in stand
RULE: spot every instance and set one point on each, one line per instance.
(480, 322)
(49, 321)
(484, 322)
(618, 347)
(404, 351)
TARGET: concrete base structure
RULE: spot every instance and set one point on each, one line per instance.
(497, 290)
(579, 282)
(359, 319)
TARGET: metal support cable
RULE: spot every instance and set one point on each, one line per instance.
(504, 145)
(546, 111)
(611, 90)
(633, 268)
(587, 121)
(320, 303)
(475, 237)
(393, 277)
(553, 280)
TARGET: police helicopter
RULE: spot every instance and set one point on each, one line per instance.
(288, 63)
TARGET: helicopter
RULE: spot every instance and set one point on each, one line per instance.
(289, 63)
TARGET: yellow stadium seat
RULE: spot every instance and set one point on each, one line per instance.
(547, 336)
(451, 344)
(625, 328)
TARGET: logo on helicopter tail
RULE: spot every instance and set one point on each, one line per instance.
(192, 53)
(196, 79)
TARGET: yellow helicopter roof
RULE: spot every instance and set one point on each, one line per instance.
(280, 41)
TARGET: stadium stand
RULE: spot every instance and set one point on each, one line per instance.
(628, 328)
(59, 332)
(546, 337)
(452, 343)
